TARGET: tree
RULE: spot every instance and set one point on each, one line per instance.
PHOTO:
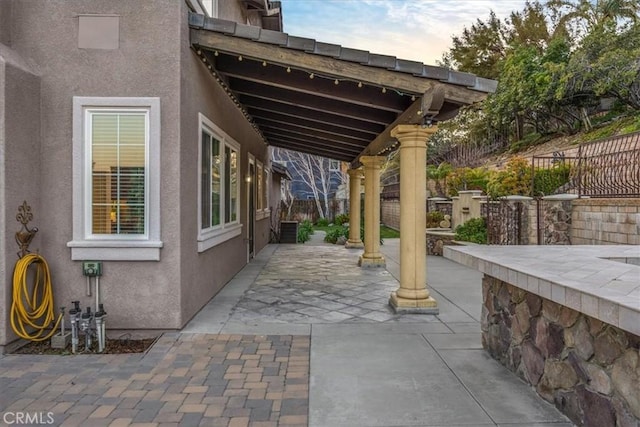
(585, 16)
(529, 27)
(315, 172)
(479, 49)
(607, 65)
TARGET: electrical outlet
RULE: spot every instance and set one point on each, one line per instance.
(92, 268)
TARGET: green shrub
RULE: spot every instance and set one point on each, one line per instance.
(341, 219)
(515, 179)
(322, 222)
(336, 232)
(474, 230)
(305, 230)
(434, 218)
(467, 179)
(547, 181)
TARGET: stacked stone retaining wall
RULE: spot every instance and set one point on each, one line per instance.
(589, 369)
(605, 221)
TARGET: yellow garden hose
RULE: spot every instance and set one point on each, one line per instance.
(35, 310)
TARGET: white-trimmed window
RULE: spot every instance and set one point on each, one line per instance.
(262, 191)
(334, 165)
(260, 187)
(116, 179)
(267, 190)
(218, 186)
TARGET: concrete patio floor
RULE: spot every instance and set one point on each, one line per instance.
(301, 336)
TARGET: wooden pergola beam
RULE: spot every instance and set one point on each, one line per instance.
(329, 66)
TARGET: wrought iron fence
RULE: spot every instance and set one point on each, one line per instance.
(610, 167)
(553, 174)
(604, 168)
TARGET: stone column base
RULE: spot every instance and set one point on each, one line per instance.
(413, 306)
(372, 262)
(354, 245)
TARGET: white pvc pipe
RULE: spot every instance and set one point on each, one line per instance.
(88, 286)
(97, 293)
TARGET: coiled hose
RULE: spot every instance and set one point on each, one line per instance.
(35, 310)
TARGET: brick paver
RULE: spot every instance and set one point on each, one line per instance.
(183, 380)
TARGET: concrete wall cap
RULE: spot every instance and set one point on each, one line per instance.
(517, 197)
(561, 197)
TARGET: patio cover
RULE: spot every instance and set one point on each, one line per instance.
(325, 99)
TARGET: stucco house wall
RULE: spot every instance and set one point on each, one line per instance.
(19, 164)
(153, 59)
(204, 274)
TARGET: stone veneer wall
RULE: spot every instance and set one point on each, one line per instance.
(605, 221)
(556, 220)
(590, 370)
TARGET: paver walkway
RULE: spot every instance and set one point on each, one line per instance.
(301, 336)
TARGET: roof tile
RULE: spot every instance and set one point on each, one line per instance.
(251, 32)
(273, 37)
(431, 72)
(354, 55)
(195, 20)
(301, 43)
(219, 25)
(406, 66)
(462, 79)
(327, 49)
(485, 85)
(382, 61)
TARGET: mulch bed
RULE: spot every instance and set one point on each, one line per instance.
(112, 346)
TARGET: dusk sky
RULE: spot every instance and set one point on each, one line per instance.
(418, 30)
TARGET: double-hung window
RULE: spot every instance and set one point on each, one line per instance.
(262, 187)
(219, 186)
(116, 174)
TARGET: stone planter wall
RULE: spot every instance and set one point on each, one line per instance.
(437, 239)
(590, 370)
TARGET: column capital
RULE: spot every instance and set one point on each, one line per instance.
(372, 161)
(354, 173)
(413, 135)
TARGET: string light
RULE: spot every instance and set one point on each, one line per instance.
(288, 69)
